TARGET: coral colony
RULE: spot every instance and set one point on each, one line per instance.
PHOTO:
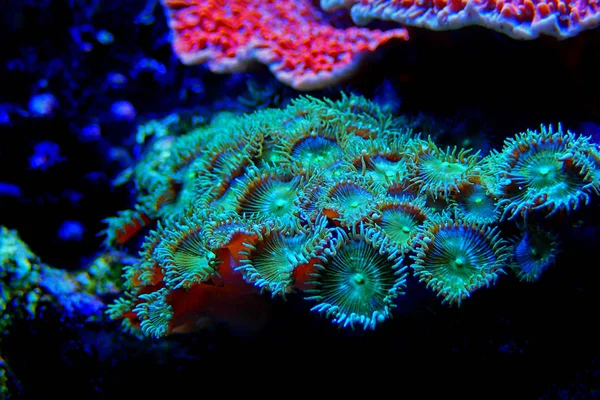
(297, 41)
(337, 202)
(308, 49)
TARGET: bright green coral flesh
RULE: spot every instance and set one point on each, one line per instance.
(325, 199)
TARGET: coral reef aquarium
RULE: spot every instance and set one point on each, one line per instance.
(402, 196)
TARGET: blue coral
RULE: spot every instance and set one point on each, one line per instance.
(535, 250)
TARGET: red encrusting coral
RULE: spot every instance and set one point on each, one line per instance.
(519, 19)
(293, 38)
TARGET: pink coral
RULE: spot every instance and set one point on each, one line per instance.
(292, 37)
